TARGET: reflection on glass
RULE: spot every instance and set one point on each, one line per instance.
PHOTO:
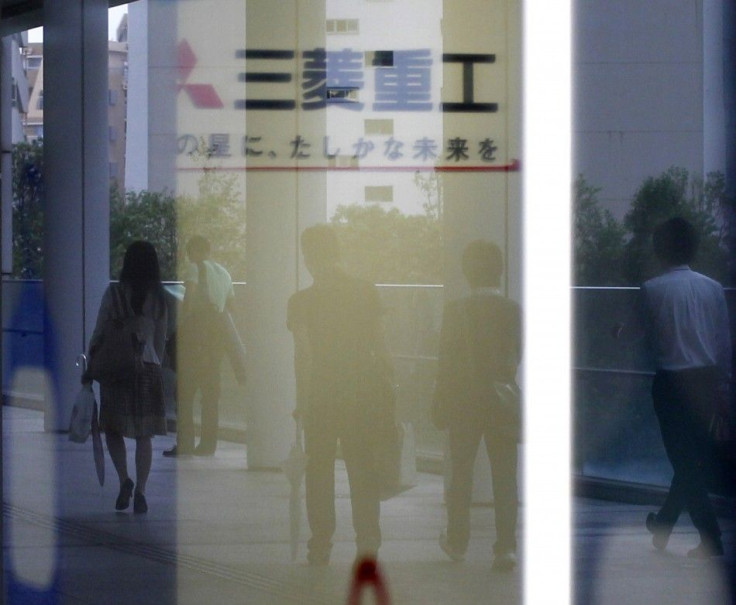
(246, 123)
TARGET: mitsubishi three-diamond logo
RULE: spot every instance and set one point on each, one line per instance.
(202, 96)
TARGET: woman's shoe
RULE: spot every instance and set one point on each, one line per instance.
(660, 531)
(126, 491)
(139, 503)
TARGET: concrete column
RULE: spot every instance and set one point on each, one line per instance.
(161, 18)
(714, 114)
(76, 220)
(137, 128)
(6, 155)
(279, 206)
(729, 102)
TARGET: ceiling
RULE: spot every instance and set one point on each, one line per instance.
(20, 15)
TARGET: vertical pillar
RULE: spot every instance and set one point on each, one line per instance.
(161, 43)
(729, 102)
(6, 214)
(137, 126)
(76, 218)
(714, 132)
(279, 206)
(6, 155)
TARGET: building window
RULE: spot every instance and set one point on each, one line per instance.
(342, 26)
(379, 58)
(39, 102)
(112, 97)
(342, 95)
(379, 193)
(379, 127)
(113, 169)
(112, 133)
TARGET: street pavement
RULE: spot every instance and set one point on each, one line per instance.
(217, 533)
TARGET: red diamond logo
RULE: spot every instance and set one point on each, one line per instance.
(202, 96)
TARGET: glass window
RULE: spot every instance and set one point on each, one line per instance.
(234, 127)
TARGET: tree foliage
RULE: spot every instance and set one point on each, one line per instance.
(598, 239)
(609, 253)
(676, 193)
(386, 246)
(383, 246)
(145, 215)
(217, 212)
(432, 187)
(28, 203)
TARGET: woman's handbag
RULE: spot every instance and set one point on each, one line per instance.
(506, 408)
(80, 424)
(118, 354)
(507, 411)
(84, 422)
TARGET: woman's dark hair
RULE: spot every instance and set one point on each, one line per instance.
(141, 272)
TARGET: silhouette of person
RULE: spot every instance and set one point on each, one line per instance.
(134, 408)
(200, 348)
(336, 326)
(480, 344)
(687, 328)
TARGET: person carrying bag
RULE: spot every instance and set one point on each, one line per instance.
(125, 354)
(477, 399)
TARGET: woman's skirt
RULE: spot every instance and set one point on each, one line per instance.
(135, 408)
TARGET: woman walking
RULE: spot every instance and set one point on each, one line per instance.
(132, 405)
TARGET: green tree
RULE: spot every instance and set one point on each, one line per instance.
(598, 239)
(28, 203)
(431, 186)
(386, 246)
(145, 215)
(674, 193)
(217, 212)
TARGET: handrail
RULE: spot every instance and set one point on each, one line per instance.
(613, 371)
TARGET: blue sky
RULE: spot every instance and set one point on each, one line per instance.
(114, 16)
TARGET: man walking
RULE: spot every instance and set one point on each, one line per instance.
(688, 330)
(200, 348)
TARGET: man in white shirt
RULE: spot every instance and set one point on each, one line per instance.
(200, 347)
(688, 330)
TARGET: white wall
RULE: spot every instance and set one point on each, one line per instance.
(638, 93)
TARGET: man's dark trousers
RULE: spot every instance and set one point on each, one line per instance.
(684, 402)
(322, 432)
(465, 436)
